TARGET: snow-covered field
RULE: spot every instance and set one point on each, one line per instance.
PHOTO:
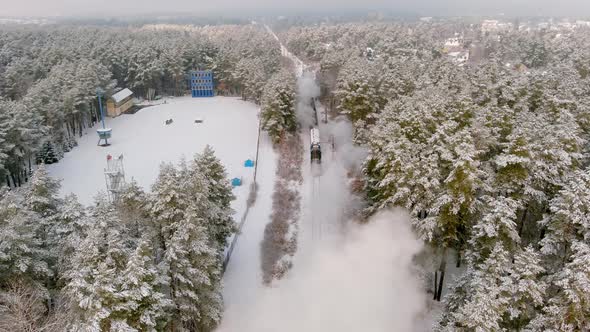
(230, 126)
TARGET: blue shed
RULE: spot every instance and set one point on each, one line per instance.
(201, 83)
(236, 182)
(249, 163)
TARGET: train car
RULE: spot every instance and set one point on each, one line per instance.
(315, 148)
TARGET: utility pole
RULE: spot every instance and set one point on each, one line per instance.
(104, 133)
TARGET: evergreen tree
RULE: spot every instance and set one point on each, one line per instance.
(96, 279)
(488, 295)
(133, 208)
(195, 275)
(24, 133)
(278, 105)
(5, 144)
(567, 255)
(167, 202)
(182, 210)
(41, 198)
(67, 231)
(569, 308)
(219, 194)
(22, 254)
(42, 194)
(528, 289)
(47, 155)
(569, 220)
(142, 304)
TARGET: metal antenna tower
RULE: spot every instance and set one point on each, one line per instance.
(114, 175)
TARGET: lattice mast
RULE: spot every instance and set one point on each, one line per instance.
(114, 175)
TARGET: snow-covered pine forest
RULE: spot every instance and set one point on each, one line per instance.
(489, 156)
(152, 261)
(49, 76)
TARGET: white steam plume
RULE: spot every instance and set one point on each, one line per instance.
(306, 89)
(351, 156)
(361, 282)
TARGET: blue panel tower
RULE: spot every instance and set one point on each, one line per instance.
(201, 82)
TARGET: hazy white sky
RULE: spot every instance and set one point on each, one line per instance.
(425, 7)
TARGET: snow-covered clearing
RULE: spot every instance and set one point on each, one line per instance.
(229, 125)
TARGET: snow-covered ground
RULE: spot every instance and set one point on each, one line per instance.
(230, 126)
(243, 276)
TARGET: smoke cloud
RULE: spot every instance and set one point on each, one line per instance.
(361, 281)
(351, 156)
(307, 88)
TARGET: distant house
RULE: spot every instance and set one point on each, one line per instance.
(454, 42)
(495, 26)
(460, 58)
(119, 102)
(369, 53)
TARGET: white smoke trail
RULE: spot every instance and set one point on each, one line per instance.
(306, 89)
(350, 155)
(362, 282)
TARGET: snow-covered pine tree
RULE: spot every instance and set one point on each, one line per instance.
(567, 256)
(180, 206)
(5, 144)
(167, 202)
(68, 229)
(488, 295)
(96, 278)
(42, 194)
(47, 155)
(133, 209)
(24, 134)
(142, 304)
(195, 274)
(220, 223)
(22, 253)
(497, 225)
(484, 301)
(42, 198)
(459, 293)
(359, 92)
(568, 308)
(458, 202)
(569, 220)
(278, 105)
(251, 77)
(527, 289)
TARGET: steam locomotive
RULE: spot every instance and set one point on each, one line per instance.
(315, 148)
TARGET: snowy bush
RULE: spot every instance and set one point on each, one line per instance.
(280, 235)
